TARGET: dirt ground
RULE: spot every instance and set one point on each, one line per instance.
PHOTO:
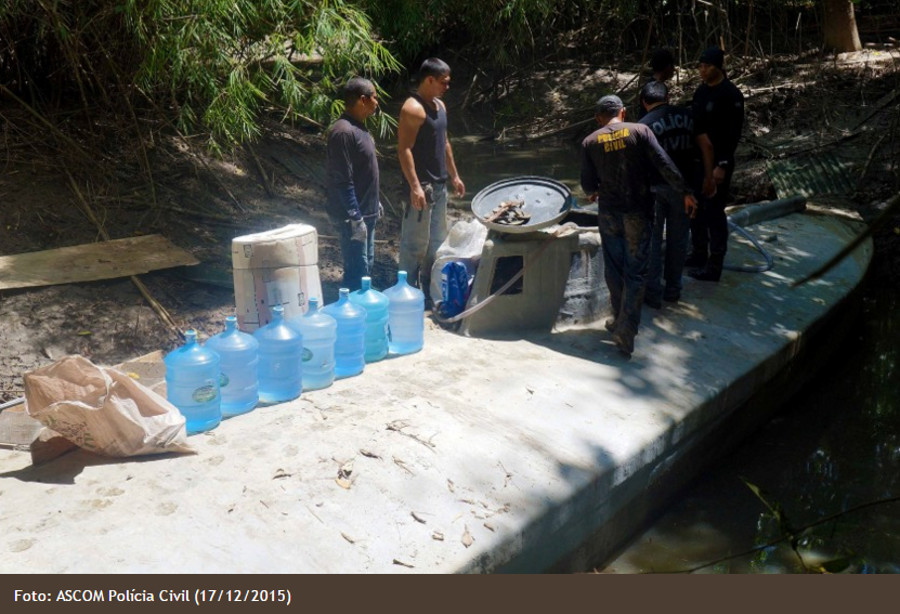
(202, 203)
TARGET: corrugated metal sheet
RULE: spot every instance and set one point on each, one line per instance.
(811, 174)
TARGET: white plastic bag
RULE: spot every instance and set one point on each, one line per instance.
(103, 410)
(464, 243)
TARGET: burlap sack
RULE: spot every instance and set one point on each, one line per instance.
(103, 410)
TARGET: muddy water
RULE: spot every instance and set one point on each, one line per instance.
(481, 163)
(835, 447)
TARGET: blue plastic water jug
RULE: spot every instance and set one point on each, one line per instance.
(280, 360)
(406, 317)
(239, 381)
(319, 332)
(376, 305)
(192, 384)
(350, 345)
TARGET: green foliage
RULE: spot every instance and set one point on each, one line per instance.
(212, 65)
(503, 30)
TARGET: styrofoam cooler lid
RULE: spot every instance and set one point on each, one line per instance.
(291, 245)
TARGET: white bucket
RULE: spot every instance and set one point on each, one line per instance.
(276, 267)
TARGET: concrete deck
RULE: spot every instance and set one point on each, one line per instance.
(473, 455)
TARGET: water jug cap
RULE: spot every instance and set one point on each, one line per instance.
(366, 283)
(190, 336)
(313, 303)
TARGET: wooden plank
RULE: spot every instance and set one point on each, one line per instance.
(149, 370)
(92, 262)
(17, 428)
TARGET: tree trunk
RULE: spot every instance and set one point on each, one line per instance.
(839, 26)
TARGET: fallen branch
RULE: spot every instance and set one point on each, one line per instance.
(763, 547)
(877, 223)
(542, 135)
(44, 121)
(145, 292)
(878, 107)
(267, 185)
(868, 163)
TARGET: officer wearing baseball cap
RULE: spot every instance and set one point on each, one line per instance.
(618, 163)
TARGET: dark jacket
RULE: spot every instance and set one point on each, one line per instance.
(673, 127)
(619, 162)
(351, 171)
(719, 113)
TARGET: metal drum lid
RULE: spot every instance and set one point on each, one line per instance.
(545, 200)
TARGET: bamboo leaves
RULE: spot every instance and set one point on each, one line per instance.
(214, 65)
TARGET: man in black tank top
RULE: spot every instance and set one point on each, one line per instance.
(426, 159)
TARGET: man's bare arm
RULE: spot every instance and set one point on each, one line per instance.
(459, 187)
(412, 116)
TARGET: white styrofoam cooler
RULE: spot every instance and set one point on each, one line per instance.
(276, 267)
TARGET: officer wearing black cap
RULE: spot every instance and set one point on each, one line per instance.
(718, 109)
(619, 162)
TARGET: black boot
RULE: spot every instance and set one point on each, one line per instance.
(712, 271)
(696, 259)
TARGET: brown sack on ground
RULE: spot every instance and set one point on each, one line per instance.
(103, 410)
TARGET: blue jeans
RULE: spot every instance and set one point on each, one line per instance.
(421, 234)
(671, 219)
(625, 238)
(358, 256)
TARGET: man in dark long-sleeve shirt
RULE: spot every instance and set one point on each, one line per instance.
(674, 130)
(352, 181)
(618, 166)
(718, 109)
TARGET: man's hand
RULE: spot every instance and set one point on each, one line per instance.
(417, 198)
(690, 205)
(459, 188)
(719, 175)
(358, 230)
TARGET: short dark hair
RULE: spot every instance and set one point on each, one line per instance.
(654, 91)
(661, 59)
(609, 106)
(433, 67)
(356, 88)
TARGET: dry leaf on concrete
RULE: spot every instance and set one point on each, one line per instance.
(467, 539)
(346, 469)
